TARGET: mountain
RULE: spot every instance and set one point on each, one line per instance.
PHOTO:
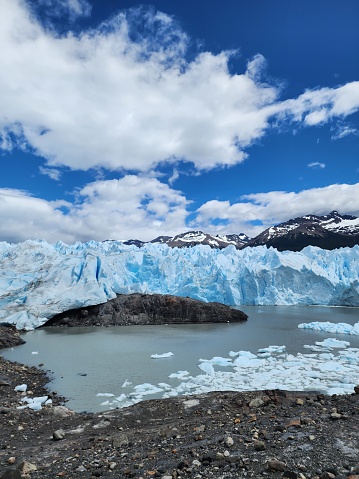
(327, 232)
(194, 238)
(39, 280)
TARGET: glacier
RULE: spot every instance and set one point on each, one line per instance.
(39, 280)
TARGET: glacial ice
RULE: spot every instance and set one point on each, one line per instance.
(334, 372)
(40, 279)
(163, 355)
(334, 328)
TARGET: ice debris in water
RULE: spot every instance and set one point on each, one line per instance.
(334, 328)
(164, 355)
(333, 368)
(40, 279)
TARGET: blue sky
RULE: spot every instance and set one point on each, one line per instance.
(124, 120)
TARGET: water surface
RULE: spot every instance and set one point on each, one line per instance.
(89, 360)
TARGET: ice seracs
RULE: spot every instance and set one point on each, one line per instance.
(40, 280)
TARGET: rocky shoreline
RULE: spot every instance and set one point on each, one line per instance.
(222, 435)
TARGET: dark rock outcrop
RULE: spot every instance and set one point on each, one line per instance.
(9, 337)
(148, 309)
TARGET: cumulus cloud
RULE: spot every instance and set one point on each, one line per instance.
(125, 96)
(132, 207)
(275, 207)
(316, 165)
(143, 208)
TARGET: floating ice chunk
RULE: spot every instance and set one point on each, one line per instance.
(331, 366)
(165, 386)
(126, 383)
(207, 368)
(35, 352)
(21, 388)
(109, 395)
(248, 362)
(316, 348)
(272, 349)
(233, 354)
(333, 328)
(121, 397)
(218, 361)
(179, 374)
(146, 389)
(333, 343)
(264, 354)
(327, 356)
(164, 355)
(105, 403)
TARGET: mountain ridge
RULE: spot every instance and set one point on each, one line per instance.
(329, 232)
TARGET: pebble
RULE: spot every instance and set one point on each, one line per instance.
(229, 441)
(257, 402)
(259, 445)
(58, 435)
(276, 465)
(335, 415)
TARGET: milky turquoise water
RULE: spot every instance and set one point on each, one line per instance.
(86, 361)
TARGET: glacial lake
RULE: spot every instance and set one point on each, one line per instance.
(91, 360)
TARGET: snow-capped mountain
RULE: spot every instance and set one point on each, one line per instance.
(328, 232)
(194, 238)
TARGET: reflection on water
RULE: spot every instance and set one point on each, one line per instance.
(89, 360)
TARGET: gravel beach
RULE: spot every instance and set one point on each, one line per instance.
(272, 434)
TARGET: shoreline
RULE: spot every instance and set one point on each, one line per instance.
(225, 435)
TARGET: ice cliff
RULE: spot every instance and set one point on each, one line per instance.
(39, 280)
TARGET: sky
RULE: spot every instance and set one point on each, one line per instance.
(125, 120)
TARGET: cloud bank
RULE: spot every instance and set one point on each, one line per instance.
(143, 208)
(125, 96)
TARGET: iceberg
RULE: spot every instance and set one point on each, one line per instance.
(334, 328)
(163, 355)
(40, 280)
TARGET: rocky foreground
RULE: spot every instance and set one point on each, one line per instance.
(271, 434)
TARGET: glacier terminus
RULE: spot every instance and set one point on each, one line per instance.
(40, 280)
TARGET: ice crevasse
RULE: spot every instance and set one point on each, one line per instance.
(39, 280)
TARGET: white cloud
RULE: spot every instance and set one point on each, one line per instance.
(316, 165)
(52, 173)
(144, 208)
(132, 207)
(56, 8)
(101, 99)
(277, 206)
(342, 131)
